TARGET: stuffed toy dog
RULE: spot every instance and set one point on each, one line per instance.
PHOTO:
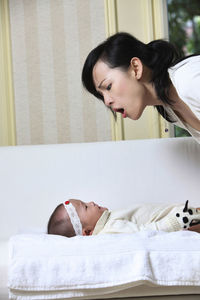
(188, 216)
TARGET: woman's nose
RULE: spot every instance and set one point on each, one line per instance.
(108, 101)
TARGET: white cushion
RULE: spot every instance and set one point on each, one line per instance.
(3, 269)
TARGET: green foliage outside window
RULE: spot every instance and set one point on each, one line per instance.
(184, 32)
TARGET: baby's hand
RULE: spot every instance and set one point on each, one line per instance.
(195, 228)
(188, 216)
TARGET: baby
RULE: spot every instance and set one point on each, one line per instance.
(75, 217)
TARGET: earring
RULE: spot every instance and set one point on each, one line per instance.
(166, 129)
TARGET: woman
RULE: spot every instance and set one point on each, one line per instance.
(129, 75)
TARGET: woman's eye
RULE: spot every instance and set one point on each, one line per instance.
(86, 207)
(109, 87)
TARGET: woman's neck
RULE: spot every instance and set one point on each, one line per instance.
(151, 95)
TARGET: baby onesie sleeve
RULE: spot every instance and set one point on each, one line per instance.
(168, 223)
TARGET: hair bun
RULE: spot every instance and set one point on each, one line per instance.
(164, 53)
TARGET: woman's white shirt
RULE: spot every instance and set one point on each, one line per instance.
(185, 77)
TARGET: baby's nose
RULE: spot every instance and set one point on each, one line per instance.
(92, 203)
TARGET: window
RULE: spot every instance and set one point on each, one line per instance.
(184, 32)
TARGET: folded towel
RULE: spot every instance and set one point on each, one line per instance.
(89, 265)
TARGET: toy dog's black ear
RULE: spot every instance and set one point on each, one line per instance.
(186, 207)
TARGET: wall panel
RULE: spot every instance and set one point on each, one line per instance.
(50, 40)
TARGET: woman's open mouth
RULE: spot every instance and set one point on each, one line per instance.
(121, 111)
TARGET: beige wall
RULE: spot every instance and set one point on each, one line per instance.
(50, 40)
(7, 113)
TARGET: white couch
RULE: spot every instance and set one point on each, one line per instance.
(34, 179)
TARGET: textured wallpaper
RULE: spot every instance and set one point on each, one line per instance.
(50, 40)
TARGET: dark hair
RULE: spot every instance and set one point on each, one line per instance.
(120, 48)
(58, 224)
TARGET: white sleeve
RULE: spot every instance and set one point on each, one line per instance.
(187, 83)
(167, 223)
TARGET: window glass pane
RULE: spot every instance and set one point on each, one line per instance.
(184, 31)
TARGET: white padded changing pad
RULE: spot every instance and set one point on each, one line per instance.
(3, 269)
(48, 267)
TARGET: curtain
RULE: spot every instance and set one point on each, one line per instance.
(50, 40)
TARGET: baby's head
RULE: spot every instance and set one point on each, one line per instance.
(74, 217)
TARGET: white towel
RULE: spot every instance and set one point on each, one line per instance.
(51, 265)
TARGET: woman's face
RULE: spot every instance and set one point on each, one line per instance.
(122, 91)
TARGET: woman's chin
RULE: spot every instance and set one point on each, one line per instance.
(135, 116)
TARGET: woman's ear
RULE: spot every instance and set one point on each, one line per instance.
(136, 67)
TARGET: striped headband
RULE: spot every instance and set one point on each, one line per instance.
(74, 218)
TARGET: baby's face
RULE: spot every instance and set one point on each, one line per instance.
(89, 213)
